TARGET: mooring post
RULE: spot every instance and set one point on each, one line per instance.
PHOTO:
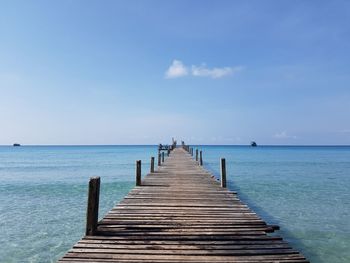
(152, 164)
(200, 158)
(223, 172)
(159, 159)
(92, 206)
(196, 155)
(138, 172)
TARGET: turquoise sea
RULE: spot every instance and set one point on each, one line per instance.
(43, 192)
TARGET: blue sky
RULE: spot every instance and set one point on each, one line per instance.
(141, 72)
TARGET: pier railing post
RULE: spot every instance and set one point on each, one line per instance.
(196, 155)
(138, 172)
(191, 151)
(223, 172)
(92, 206)
(162, 157)
(168, 152)
(200, 158)
(152, 164)
(159, 159)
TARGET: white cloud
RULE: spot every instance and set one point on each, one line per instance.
(177, 69)
(203, 71)
(284, 135)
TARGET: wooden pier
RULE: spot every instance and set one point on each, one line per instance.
(179, 213)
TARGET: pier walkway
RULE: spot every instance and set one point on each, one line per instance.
(180, 213)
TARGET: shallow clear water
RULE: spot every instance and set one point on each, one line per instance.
(43, 193)
(305, 190)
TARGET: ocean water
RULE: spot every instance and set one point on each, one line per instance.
(43, 192)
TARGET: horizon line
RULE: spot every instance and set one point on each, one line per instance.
(259, 145)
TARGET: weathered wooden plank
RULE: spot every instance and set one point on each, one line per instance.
(207, 258)
(180, 247)
(174, 252)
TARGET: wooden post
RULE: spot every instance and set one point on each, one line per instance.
(159, 159)
(138, 173)
(152, 164)
(168, 152)
(191, 151)
(92, 206)
(200, 158)
(223, 172)
(196, 155)
(162, 157)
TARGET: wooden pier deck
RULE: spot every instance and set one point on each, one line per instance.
(181, 214)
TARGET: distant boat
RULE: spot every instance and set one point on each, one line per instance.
(16, 144)
(253, 144)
